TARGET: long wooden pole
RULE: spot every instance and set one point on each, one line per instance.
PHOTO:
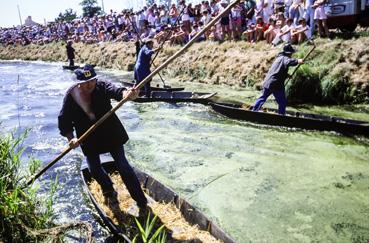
(294, 71)
(140, 85)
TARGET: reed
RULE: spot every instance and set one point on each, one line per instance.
(20, 216)
(305, 86)
(147, 232)
(24, 215)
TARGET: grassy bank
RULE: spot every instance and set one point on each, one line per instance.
(337, 72)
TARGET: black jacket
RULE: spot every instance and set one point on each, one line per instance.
(277, 74)
(110, 134)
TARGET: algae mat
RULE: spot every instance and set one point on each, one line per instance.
(260, 183)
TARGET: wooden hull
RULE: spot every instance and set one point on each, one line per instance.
(168, 89)
(71, 67)
(294, 119)
(159, 193)
(177, 96)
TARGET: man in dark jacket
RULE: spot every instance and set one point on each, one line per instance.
(274, 80)
(84, 104)
(70, 53)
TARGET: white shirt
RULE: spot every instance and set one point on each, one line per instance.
(151, 19)
(205, 19)
(286, 28)
(307, 31)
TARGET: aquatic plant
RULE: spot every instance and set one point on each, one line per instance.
(305, 86)
(18, 208)
(24, 217)
(146, 231)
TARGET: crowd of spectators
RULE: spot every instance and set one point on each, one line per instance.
(274, 21)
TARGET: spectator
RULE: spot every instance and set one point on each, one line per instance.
(152, 21)
(287, 6)
(173, 14)
(301, 33)
(214, 36)
(281, 18)
(191, 13)
(250, 11)
(164, 17)
(236, 21)
(260, 28)
(272, 31)
(186, 22)
(196, 30)
(249, 34)
(142, 20)
(180, 37)
(197, 13)
(321, 18)
(214, 8)
(224, 21)
(284, 33)
(309, 14)
(296, 11)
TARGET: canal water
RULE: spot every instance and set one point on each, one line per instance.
(259, 183)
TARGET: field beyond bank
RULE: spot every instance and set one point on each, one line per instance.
(337, 72)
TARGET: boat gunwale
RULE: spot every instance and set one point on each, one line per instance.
(330, 122)
(172, 97)
(189, 212)
(153, 88)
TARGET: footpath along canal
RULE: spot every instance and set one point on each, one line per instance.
(259, 183)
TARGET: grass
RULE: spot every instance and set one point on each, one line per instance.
(24, 216)
(239, 63)
(19, 208)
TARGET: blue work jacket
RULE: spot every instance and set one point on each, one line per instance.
(143, 63)
(277, 74)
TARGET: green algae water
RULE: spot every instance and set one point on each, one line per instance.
(259, 183)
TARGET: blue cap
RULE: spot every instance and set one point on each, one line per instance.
(86, 74)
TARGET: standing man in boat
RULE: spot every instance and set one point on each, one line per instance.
(70, 53)
(143, 64)
(274, 80)
(84, 104)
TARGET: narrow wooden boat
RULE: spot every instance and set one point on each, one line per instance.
(294, 119)
(153, 88)
(72, 68)
(177, 96)
(160, 193)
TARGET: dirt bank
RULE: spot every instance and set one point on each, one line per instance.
(337, 72)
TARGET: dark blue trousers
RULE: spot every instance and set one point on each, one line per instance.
(125, 170)
(279, 96)
(138, 78)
